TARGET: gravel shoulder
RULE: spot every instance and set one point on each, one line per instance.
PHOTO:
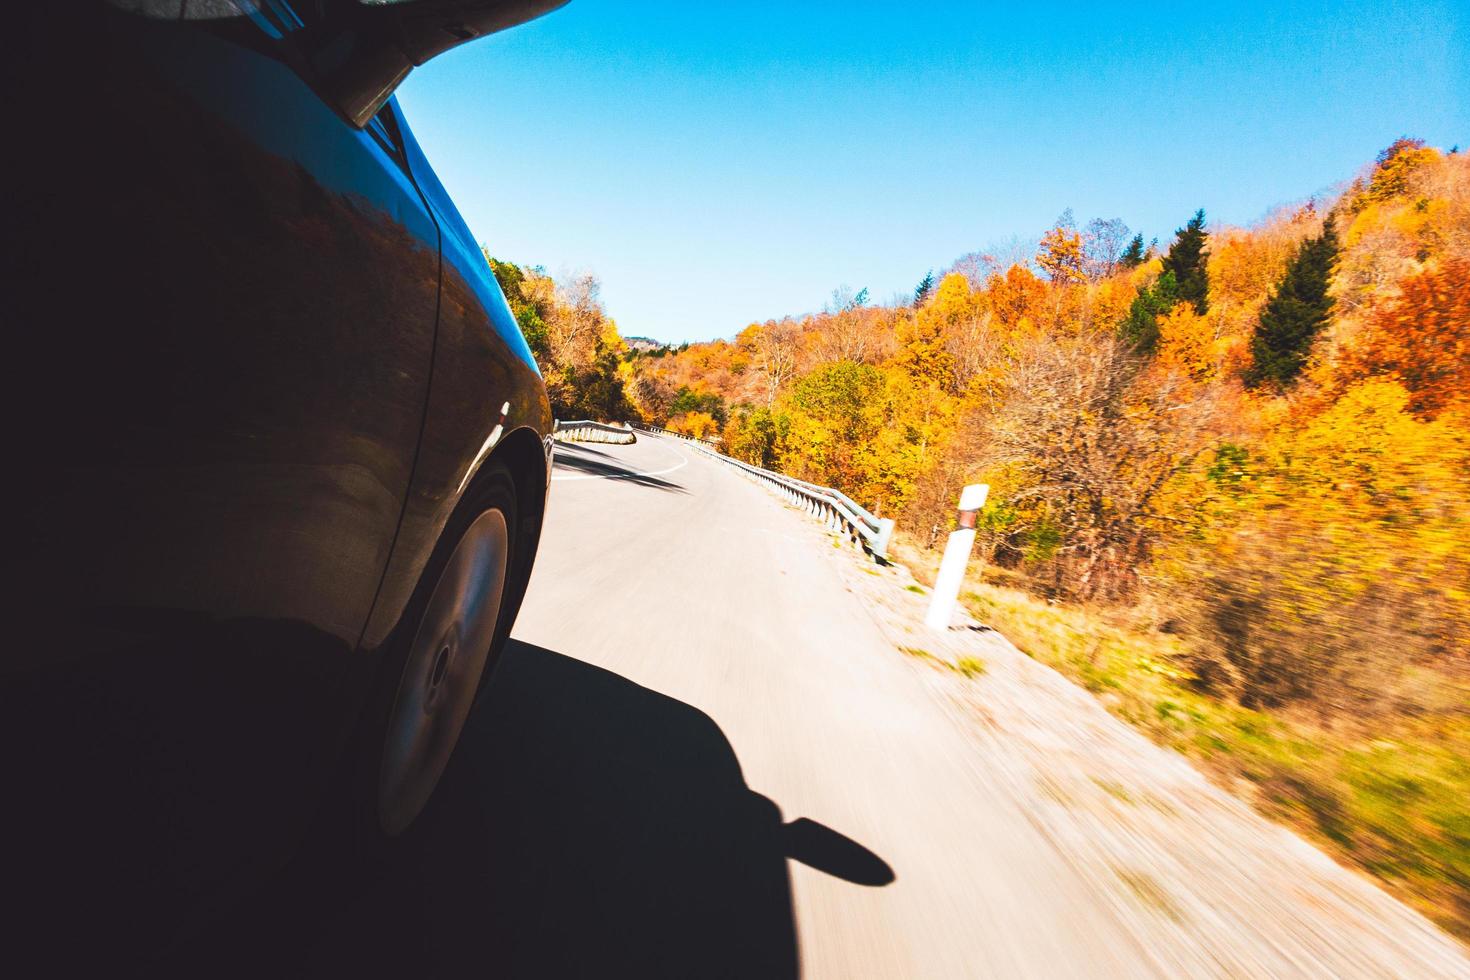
(1203, 884)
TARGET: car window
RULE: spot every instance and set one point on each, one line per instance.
(383, 129)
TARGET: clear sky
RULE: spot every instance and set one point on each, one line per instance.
(718, 163)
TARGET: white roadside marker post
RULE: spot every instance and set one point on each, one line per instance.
(956, 557)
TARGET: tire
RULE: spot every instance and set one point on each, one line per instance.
(449, 641)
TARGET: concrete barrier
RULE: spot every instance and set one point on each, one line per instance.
(585, 430)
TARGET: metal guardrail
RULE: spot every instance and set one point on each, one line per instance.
(840, 513)
(586, 430)
(706, 443)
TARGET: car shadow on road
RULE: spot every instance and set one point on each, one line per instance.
(582, 447)
(613, 471)
(586, 827)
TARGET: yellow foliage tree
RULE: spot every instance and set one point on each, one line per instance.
(1060, 256)
(1187, 341)
(700, 425)
(1396, 168)
(1336, 539)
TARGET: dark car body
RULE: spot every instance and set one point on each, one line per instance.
(253, 360)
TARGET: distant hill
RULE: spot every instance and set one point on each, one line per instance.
(644, 344)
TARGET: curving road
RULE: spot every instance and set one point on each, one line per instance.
(734, 612)
(702, 756)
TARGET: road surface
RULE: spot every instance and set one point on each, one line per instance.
(703, 756)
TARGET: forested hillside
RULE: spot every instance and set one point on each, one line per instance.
(1242, 455)
(1267, 422)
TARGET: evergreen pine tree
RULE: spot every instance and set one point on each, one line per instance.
(1186, 259)
(1295, 314)
(1141, 327)
(924, 288)
(1132, 256)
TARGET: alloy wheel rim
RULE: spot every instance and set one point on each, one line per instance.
(442, 672)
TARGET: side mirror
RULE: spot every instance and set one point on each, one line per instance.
(358, 51)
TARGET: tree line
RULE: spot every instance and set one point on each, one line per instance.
(1265, 426)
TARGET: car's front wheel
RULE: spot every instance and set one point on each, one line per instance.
(434, 671)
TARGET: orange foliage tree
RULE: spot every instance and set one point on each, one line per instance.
(1421, 339)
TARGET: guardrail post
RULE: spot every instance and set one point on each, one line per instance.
(885, 534)
(956, 557)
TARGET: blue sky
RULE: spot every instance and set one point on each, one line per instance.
(719, 163)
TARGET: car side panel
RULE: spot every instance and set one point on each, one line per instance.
(220, 304)
(486, 389)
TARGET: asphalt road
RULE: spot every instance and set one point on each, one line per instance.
(747, 635)
(701, 756)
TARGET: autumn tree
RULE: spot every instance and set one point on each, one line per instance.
(835, 412)
(756, 435)
(689, 400)
(1103, 248)
(775, 345)
(922, 351)
(1016, 297)
(1295, 314)
(1060, 255)
(969, 331)
(700, 425)
(1325, 563)
(1421, 340)
(975, 267)
(1078, 457)
(1395, 167)
(576, 319)
(530, 317)
(650, 394)
(860, 333)
(1187, 342)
